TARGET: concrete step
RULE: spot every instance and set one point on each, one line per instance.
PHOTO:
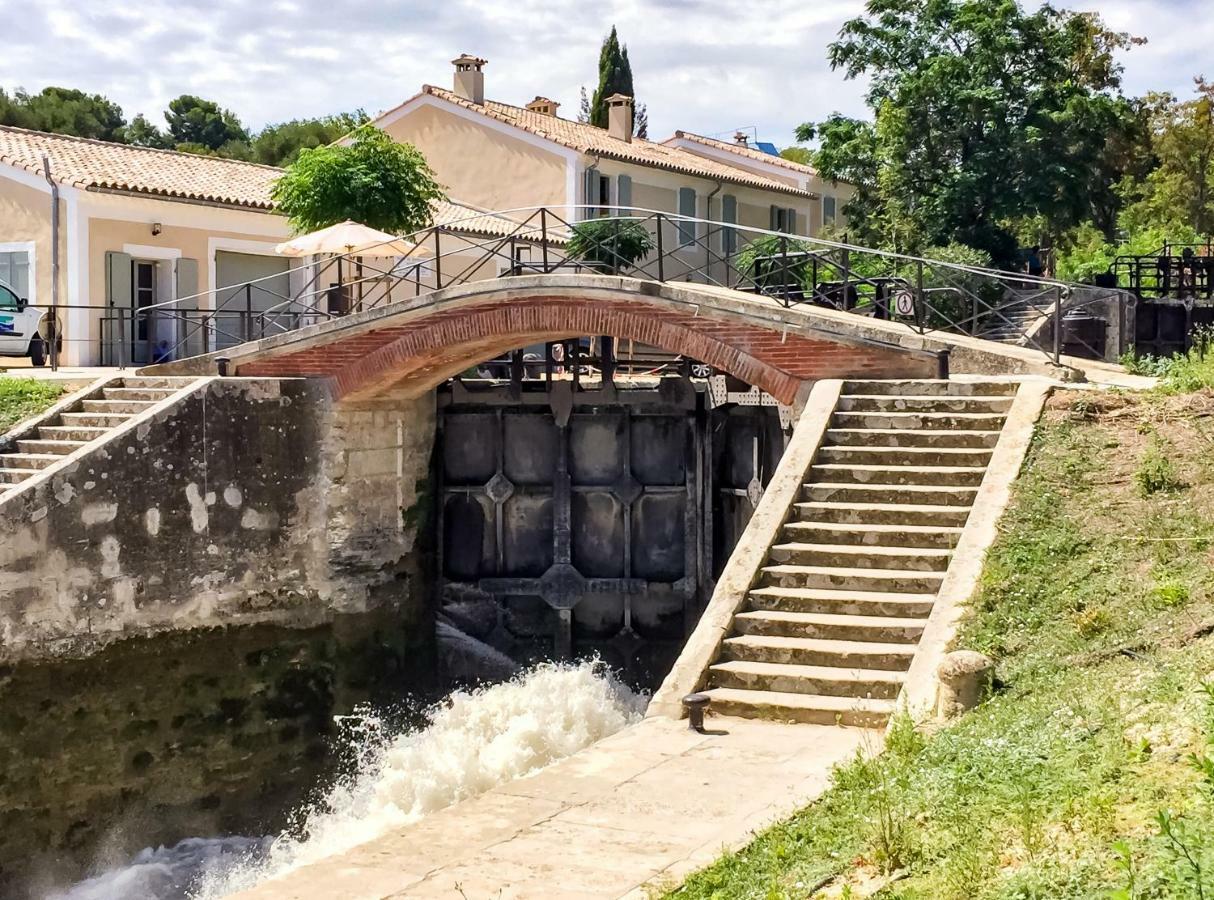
(126, 407)
(906, 437)
(928, 404)
(174, 382)
(898, 581)
(898, 456)
(59, 448)
(93, 420)
(809, 709)
(760, 676)
(819, 652)
(31, 461)
(933, 387)
(841, 473)
(829, 626)
(881, 513)
(13, 476)
(926, 536)
(842, 602)
(911, 559)
(70, 433)
(919, 421)
(913, 494)
(153, 394)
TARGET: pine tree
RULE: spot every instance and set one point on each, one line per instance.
(583, 114)
(615, 77)
(640, 120)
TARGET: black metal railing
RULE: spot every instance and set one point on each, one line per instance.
(921, 294)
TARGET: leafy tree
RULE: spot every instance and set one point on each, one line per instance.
(197, 122)
(612, 245)
(802, 155)
(373, 180)
(64, 111)
(983, 114)
(640, 118)
(280, 145)
(615, 77)
(143, 133)
(583, 113)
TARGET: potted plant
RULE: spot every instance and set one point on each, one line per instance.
(611, 245)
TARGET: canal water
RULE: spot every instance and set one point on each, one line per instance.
(473, 740)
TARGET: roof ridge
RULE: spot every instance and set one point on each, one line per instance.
(736, 148)
(137, 147)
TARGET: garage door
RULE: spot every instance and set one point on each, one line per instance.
(237, 306)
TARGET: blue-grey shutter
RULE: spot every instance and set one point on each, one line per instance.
(775, 218)
(590, 192)
(729, 213)
(687, 207)
(119, 290)
(623, 194)
(792, 221)
(186, 276)
(828, 210)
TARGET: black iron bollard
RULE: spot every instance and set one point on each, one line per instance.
(942, 364)
(695, 704)
(221, 365)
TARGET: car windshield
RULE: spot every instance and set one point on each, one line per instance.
(8, 300)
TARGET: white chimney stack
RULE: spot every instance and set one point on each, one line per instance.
(470, 78)
(619, 116)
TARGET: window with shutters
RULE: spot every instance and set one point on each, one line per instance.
(687, 207)
(784, 219)
(729, 215)
(828, 209)
(597, 194)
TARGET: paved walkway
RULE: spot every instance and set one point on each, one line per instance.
(647, 805)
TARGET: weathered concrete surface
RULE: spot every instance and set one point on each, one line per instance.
(919, 694)
(648, 805)
(750, 553)
(245, 501)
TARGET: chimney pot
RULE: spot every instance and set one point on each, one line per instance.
(742, 139)
(619, 116)
(470, 78)
(543, 106)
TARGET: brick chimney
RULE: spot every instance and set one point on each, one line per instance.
(619, 116)
(742, 139)
(470, 78)
(543, 106)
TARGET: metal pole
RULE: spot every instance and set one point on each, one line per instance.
(661, 252)
(1058, 325)
(544, 236)
(53, 328)
(920, 299)
(438, 262)
(784, 268)
(846, 279)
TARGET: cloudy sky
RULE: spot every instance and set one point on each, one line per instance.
(700, 65)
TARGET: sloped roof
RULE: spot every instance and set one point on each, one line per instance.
(470, 220)
(589, 139)
(748, 152)
(101, 165)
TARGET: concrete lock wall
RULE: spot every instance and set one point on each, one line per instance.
(252, 500)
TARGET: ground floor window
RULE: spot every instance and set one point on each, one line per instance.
(15, 271)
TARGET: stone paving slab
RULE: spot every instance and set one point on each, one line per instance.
(647, 805)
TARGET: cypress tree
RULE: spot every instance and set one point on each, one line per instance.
(615, 77)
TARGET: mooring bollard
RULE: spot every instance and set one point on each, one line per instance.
(695, 704)
(221, 364)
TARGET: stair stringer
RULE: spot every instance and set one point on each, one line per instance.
(742, 571)
(919, 693)
(19, 493)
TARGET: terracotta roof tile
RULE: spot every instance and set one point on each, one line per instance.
(588, 139)
(91, 164)
(748, 152)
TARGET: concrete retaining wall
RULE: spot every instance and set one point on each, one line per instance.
(247, 501)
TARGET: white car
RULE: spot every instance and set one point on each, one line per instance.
(24, 329)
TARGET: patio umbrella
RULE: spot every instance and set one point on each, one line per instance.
(352, 238)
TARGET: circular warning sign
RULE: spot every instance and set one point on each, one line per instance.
(904, 302)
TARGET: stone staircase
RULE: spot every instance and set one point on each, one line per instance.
(79, 424)
(828, 632)
(1020, 321)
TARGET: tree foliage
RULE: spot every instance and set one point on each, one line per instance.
(983, 114)
(280, 145)
(204, 123)
(63, 111)
(373, 180)
(615, 77)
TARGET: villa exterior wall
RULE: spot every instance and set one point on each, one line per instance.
(25, 219)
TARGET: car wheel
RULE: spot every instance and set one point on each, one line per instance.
(38, 351)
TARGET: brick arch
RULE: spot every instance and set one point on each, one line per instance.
(425, 346)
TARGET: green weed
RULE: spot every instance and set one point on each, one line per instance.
(21, 398)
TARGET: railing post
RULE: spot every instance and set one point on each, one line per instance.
(920, 299)
(1058, 325)
(438, 260)
(544, 236)
(661, 252)
(846, 280)
(248, 309)
(784, 268)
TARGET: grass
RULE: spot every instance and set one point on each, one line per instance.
(1087, 774)
(21, 398)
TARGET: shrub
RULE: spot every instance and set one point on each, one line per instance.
(1156, 473)
(612, 245)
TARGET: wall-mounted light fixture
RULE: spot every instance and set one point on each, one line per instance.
(155, 228)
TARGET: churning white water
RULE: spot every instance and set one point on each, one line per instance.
(474, 741)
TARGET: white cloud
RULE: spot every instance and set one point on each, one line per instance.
(702, 65)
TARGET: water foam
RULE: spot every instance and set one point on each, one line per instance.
(475, 740)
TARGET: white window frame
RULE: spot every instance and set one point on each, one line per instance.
(29, 248)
